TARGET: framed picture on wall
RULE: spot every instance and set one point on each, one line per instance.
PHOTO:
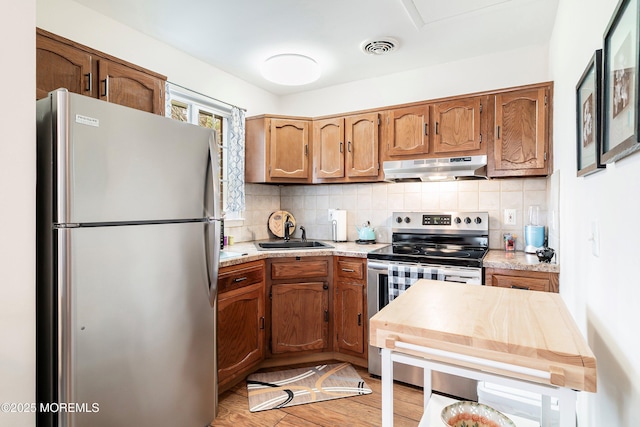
(621, 112)
(589, 116)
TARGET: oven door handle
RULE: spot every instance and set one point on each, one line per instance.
(373, 265)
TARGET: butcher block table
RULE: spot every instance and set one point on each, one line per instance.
(521, 339)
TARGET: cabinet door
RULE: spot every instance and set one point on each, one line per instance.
(289, 149)
(408, 130)
(361, 134)
(61, 66)
(349, 312)
(520, 141)
(130, 87)
(328, 146)
(299, 317)
(240, 329)
(457, 126)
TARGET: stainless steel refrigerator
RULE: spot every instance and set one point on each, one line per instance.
(127, 262)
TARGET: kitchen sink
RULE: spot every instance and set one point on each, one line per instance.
(291, 244)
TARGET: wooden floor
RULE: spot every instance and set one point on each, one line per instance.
(351, 411)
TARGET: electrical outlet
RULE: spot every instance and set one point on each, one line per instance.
(509, 217)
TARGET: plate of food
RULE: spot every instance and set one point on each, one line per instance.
(473, 414)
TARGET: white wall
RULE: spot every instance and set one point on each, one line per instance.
(83, 25)
(602, 292)
(17, 209)
(506, 69)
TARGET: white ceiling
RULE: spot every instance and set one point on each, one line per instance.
(237, 35)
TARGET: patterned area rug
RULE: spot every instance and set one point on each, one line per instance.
(271, 390)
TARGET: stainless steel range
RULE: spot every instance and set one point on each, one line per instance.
(447, 246)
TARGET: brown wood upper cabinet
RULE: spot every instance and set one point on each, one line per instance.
(407, 131)
(346, 148)
(277, 150)
(440, 129)
(521, 134)
(457, 127)
(62, 63)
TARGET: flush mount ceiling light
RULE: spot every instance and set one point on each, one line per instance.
(290, 69)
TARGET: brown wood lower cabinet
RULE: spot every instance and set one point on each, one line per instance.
(240, 322)
(285, 311)
(522, 279)
(299, 317)
(349, 306)
(299, 292)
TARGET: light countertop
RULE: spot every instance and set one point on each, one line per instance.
(518, 261)
(247, 251)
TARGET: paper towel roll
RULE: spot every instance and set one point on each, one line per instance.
(338, 218)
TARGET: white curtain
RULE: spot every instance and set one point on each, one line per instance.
(235, 161)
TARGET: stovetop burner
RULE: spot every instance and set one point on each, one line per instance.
(440, 238)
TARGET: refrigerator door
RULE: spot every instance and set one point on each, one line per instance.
(139, 336)
(117, 164)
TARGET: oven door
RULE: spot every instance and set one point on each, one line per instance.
(378, 297)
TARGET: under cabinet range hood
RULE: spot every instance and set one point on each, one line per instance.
(436, 169)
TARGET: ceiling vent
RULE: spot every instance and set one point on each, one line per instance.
(379, 46)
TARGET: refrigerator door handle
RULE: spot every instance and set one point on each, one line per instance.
(66, 327)
(212, 252)
(213, 247)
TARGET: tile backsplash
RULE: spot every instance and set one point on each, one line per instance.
(375, 202)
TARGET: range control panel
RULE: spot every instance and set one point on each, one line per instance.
(439, 222)
(430, 219)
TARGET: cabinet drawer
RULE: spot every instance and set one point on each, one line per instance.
(297, 269)
(526, 283)
(240, 276)
(350, 268)
(522, 279)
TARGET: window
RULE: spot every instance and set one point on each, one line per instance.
(187, 106)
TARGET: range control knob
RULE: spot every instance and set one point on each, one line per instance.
(399, 219)
(407, 219)
(457, 220)
(467, 220)
(478, 220)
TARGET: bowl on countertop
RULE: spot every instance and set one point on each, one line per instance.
(474, 414)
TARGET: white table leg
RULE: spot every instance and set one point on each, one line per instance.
(387, 388)
(567, 402)
(427, 386)
(545, 409)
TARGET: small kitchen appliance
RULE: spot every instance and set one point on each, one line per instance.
(366, 234)
(534, 231)
(446, 246)
(338, 219)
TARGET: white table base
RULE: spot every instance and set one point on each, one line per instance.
(566, 397)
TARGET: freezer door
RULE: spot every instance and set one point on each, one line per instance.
(141, 335)
(115, 163)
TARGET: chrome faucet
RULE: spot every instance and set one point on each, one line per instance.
(304, 234)
(287, 224)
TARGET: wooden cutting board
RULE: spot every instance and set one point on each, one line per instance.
(525, 328)
(276, 223)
